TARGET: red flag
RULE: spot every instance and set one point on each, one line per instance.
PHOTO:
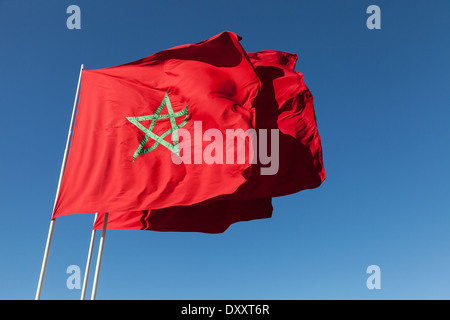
(210, 217)
(285, 104)
(128, 129)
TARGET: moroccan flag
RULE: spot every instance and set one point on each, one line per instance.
(284, 103)
(126, 144)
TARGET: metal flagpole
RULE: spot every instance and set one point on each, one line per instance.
(99, 257)
(88, 263)
(63, 166)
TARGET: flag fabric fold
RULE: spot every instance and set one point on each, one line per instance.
(285, 103)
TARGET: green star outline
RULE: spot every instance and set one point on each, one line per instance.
(160, 139)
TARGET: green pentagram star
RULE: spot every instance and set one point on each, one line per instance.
(160, 139)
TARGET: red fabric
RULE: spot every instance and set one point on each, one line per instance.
(214, 217)
(284, 103)
(217, 82)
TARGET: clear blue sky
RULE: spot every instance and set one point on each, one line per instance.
(382, 101)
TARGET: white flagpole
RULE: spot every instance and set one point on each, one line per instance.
(99, 257)
(88, 263)
(63, 166)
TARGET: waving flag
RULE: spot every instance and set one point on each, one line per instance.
(284, 103)
(193, 139)
(132, 120)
